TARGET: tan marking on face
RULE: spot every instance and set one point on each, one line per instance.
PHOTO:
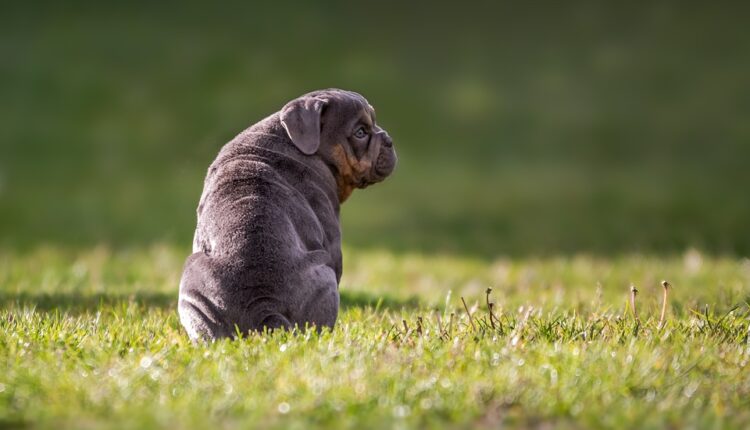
(351, 171)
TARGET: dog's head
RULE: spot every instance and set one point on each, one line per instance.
(339, 126)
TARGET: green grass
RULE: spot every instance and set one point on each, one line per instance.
(91, 339)
(555, 152)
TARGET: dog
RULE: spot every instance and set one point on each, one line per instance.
(267, 246)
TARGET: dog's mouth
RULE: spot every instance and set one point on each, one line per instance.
(385, 163)
(377, 173)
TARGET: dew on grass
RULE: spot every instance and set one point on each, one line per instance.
(425, 403)
(146, 362)
(690, 389)
(401, 411)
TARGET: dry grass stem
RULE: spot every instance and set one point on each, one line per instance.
(471, 320)
(666, 286)
(633, 293)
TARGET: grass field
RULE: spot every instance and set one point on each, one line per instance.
(91, 339)
(554, 151)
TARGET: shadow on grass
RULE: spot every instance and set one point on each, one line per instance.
(78, 303)
(81, 303)
(359, 299)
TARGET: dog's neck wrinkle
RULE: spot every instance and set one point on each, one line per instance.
(348, 170)
(345, 182)
(344, 190)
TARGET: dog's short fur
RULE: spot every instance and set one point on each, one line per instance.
(267, 247)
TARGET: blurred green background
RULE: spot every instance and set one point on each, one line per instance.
(536, 129)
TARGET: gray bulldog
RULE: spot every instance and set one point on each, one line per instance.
(267, 247)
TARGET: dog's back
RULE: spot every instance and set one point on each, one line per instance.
(267, 240)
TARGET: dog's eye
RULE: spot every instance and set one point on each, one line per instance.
(360, 133)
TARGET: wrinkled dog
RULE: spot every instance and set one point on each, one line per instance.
(267, 247)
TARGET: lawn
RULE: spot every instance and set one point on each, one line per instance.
(554, 152)
(91, 339)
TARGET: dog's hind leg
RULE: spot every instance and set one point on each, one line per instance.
(275, 321)
(198, 310)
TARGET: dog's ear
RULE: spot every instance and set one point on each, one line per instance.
(301, 120)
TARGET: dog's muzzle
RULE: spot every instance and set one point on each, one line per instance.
(386, 161)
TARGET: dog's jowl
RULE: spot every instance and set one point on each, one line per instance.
(267, 247)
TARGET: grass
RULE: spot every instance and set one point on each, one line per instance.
(557, 153)
(91, 339)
